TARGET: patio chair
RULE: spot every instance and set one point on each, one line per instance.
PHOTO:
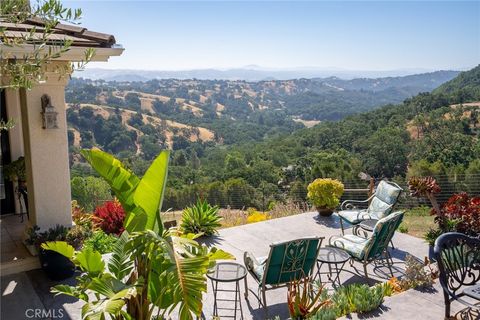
(380, 205)
(287, 261)
(458, 258)
(373, 248)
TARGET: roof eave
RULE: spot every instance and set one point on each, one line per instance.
(73, 54)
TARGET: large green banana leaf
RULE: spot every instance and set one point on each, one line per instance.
(141, 198)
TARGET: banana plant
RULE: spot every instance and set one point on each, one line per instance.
(151, 272)
(141, 198)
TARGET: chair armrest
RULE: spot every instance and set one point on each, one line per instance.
(250, 261)
(332, 240)
(349, 204)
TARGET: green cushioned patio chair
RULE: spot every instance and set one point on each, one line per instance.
(380, 205)
(373, 248)
(287, 261)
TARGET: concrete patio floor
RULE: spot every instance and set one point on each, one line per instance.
(31, 290)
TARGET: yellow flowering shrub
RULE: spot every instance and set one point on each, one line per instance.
(256, 216)
(325, 193)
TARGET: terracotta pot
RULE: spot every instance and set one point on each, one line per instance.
(325, 212)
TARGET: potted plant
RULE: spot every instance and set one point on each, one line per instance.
(15, 171)
(31, 240)
(325, 195)
(55, 265)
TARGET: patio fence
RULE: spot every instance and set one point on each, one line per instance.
(449, 185)
(263, 197)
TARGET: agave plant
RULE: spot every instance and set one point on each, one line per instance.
(151, 272)
(201, 218)
(304, 300)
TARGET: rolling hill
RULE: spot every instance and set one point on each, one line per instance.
(131, 116)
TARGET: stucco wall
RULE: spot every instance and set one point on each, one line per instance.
(46, 154)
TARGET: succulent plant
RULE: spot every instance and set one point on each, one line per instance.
(425, 187)
(422, 187)
(303, 299)
(201, 218)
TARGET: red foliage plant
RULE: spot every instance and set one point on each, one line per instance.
(464, 209)
(112, 216)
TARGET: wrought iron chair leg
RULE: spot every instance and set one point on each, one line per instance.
(246, 288)
(264, 296)
(389, 262)
(365, 269)
(341, 226)
(447, 305)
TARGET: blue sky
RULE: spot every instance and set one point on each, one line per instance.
(163, 35)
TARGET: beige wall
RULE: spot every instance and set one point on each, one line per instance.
(46, 154)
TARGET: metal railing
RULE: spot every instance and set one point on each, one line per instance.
(262, 200)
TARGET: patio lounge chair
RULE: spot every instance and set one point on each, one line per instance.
(373, 248)
(287, 261)
(458, 258)
(380, 205)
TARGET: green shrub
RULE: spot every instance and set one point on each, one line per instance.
(201, 218)
(325, 193)
(431, 235)
(100, 242)
(403, 228)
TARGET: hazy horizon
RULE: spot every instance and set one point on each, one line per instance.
(252, 75)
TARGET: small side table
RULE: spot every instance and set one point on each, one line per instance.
(228, 272)
(335, 258)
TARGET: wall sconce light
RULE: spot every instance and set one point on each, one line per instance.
(49, 115)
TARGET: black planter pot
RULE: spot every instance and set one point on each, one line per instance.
(324, 212)
(56, 266)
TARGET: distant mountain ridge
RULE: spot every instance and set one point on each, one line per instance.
(249, 73)
(134, 115)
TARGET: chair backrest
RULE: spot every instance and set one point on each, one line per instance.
(291, 260)
(458, 258)
(385, 197)
(383, 233)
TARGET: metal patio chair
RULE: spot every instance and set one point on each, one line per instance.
(380, 205)
(458, 258)
(286, 261)
(373, 248)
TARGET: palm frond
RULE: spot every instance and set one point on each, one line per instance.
(119, 263)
